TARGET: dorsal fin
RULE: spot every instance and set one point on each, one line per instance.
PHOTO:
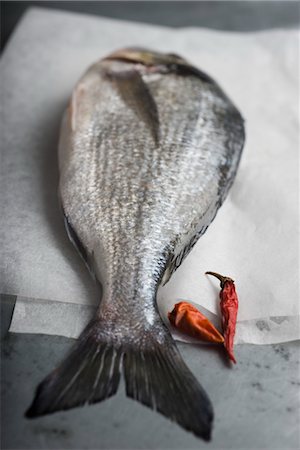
(137, 96)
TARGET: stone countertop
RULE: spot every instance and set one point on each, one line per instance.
(218, 15)
(256, 402)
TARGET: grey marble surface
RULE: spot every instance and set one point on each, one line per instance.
(219, 15)
(256, 402)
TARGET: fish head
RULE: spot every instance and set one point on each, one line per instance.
(146, 57)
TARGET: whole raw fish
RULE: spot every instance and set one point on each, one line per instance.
(149, 148)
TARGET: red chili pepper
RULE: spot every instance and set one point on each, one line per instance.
(229, 308)
(192, 322)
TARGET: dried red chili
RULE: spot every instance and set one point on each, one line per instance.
(229, 308)
(192, 322)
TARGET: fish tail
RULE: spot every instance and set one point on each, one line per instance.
(158, 378)
(155, 375)
(89, 374)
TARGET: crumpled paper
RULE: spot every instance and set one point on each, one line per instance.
(253, 238)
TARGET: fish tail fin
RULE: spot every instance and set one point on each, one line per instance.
(158, 378)
(155, 375)
(89, 374)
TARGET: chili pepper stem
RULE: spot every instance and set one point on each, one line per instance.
(220, 277)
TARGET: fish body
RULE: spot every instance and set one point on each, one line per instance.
(149, 148)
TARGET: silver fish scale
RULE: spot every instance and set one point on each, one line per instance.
(134, 204)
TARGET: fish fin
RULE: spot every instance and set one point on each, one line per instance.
(183, 248)
(137, 96)
(155, 375)
(85, 255)
(159, 379)
(90, 374)
(72, 235)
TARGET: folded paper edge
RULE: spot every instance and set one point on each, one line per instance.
(68, 319)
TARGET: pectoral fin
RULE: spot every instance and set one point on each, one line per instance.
(137, 96)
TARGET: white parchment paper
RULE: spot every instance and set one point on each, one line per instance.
(254, 236)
